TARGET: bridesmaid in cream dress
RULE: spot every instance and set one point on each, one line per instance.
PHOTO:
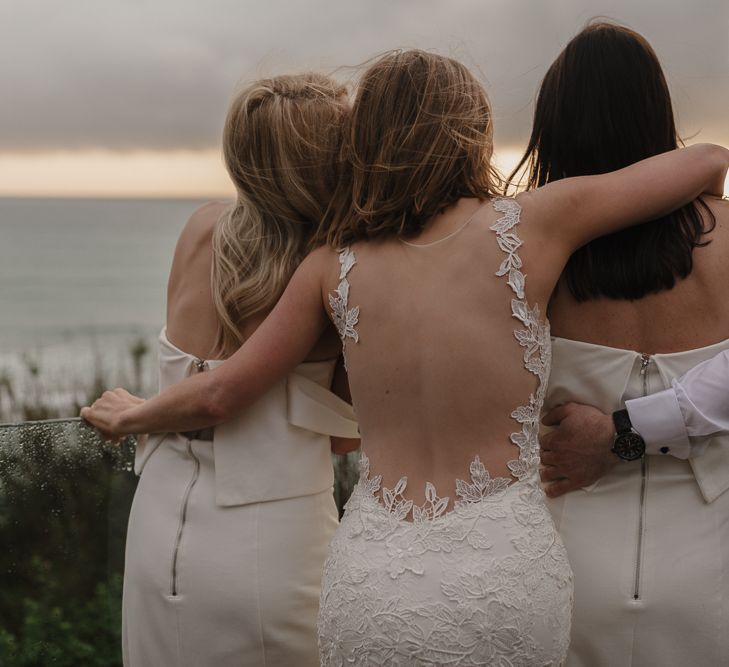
(230, 526)
(446, 553)
(649, 541)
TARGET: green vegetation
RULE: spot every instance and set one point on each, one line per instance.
(64, 503)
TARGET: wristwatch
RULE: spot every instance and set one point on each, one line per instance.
(629, 444)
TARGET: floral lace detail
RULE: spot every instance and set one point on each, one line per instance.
(345, 319)
(533, 337)
(486, 583)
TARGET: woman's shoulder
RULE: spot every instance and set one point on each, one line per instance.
(208, 213)
(321, 267)
(322, 260)
(714, 212)
(719, 206)
(196, 238)
(191, 316)
(201, 224)
(194, 248)
(716, 223)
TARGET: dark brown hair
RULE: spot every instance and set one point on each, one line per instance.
(603, 105)
(419, 138)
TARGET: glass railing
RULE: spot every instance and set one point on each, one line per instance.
(65, 497)
(64, 501)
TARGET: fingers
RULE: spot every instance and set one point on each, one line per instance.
(551, 442)
(560, 487)
(104, 413)
(545, 441)
(88, 415)
(123, 393)
(548, 458)
(550, 474)
(556, 415)
(109, 438)
(111, 399)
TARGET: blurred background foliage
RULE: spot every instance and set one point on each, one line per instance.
(64, 501)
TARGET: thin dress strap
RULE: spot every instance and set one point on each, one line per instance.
(533, 336)
(345, 318)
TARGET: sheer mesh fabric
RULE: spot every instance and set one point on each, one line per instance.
(435, 372)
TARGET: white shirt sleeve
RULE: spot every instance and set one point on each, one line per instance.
(696, 405)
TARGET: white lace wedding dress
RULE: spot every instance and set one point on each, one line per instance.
(485, 583)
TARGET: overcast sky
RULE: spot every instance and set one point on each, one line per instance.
(158, 74)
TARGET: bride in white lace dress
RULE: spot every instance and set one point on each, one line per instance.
(447, 355)
(483, 576)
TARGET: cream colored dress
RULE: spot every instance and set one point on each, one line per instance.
(649, 542)
(229, 529)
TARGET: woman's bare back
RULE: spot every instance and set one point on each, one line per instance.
(695, 313)
(437, 371)
(192, 322)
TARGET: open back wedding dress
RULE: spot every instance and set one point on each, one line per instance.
(448, 392)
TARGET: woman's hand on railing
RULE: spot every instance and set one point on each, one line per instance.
(104, 413)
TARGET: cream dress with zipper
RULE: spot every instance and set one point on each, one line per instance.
(229, 528)
(649, 542)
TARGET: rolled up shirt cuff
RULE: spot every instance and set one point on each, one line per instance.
(659, 421)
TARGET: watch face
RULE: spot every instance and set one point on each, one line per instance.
(629, 446)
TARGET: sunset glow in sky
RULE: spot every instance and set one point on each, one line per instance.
(126, 98)
(103, 173)
(140, 173)
(171, 174)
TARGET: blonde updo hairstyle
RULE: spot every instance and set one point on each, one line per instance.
(281, 143)
(419, 137)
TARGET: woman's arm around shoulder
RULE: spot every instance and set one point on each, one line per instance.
(275, 349)
(573, 211)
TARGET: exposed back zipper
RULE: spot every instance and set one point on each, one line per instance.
(183, 515)
(200, 365)
(645, 359)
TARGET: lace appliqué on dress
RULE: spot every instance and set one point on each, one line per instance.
(345, 320)
(533, 337)
(487, 583)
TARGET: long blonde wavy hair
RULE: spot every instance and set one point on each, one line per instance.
(280, 143)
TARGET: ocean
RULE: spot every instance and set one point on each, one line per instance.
(82, 281)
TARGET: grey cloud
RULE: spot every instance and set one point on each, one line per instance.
(158, 74)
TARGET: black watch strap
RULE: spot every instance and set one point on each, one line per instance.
(628, 444)
(622, 422)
